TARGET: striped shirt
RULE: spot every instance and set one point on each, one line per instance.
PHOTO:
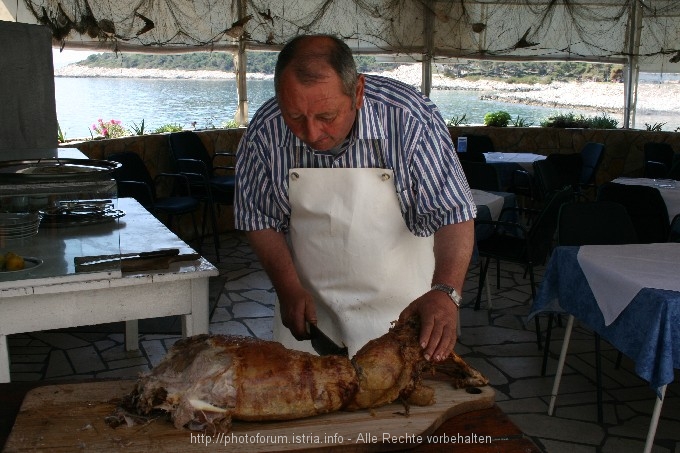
(396, 128)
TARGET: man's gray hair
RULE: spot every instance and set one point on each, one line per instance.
(305, 64)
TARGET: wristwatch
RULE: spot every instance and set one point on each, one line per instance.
(451, 291)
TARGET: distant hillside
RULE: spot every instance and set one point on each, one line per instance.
(257, 62)
(264, 62)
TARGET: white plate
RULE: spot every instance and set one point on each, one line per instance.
(29, 264)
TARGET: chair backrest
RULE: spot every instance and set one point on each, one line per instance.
(595, 222)
(548, 178)
(659, 152)
(567, 167)
(644, 205)
(542, 231)
(674, 172)
(591, 158)
(658, 159)
(134, 169)
(188, 145)
(479, 144)
(481, 175)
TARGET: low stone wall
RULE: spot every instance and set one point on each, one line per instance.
(623, 148)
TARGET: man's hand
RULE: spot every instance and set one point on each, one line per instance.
(297, 309)
(438, 323)
(296, 303)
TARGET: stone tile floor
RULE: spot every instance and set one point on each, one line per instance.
(497, 342)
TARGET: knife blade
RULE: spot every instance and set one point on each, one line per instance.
(91, 260)
(323, 345)
(132, 262)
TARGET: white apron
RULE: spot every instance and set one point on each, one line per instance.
(353, 251)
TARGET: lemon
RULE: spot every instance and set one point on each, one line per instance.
(14, 262)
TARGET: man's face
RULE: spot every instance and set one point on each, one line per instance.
(320, 115)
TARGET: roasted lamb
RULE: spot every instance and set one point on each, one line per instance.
(206, 381)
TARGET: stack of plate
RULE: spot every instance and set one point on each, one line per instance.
(18, 225)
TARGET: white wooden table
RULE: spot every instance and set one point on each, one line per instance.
(53, 295)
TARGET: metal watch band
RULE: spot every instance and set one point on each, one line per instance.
(451, 291)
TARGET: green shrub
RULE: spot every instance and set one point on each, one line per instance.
(656, 127)
(61, 138)
(571, 120)
(167, 128)
(138, 130)
(521, 122)
(602, 122)
(231, 124)
(497, 119)
(458, 120)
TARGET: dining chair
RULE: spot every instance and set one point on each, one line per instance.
(212, 184)
(674, 172)
(658, 159)
(481, 175)
(134, 180)
(477, 145)
(645, 206)
(591, 223)
(592, 155)
(530, 248)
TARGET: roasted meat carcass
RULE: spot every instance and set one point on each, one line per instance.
(390, 367)
(206, 381)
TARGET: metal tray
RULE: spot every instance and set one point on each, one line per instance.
(55, 169)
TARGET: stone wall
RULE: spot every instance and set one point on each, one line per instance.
(623, 148)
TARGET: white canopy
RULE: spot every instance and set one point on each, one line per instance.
(587, 30)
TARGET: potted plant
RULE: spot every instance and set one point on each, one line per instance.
(497, 119)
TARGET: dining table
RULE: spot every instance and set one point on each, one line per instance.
(507, 163)
(668, 188)
(78, 275)
(627, 294)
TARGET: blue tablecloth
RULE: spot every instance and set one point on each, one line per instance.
(506, 171)
(647, 331)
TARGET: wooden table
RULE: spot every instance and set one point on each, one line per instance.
(504, 435)
(54, 295)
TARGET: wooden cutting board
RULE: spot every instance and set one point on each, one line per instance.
(62, 418)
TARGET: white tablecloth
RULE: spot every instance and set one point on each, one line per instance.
(492, 201)
(524, 160)
(669, 189)
(616, 273)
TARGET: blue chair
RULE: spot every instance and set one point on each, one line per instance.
(134, 180)
(212, 184)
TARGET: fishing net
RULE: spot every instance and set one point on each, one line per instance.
(595, 30)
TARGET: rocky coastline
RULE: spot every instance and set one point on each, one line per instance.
(600, 96)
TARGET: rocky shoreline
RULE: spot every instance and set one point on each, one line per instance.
(601, 96)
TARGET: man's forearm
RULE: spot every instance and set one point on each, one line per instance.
(453, 246)
(272, 250)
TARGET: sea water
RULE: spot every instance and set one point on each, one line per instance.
(201, 104)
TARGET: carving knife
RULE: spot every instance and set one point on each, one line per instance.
(324, 345)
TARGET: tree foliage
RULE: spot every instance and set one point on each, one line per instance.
(256, 62)
(264, 62)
